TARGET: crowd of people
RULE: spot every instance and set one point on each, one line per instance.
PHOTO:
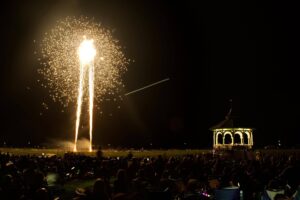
(189, 177)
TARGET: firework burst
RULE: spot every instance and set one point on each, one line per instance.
(63, 66)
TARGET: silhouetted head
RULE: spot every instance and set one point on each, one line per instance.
(99, 187)
(41, 194)
(121, 175)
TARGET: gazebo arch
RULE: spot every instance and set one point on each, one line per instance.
(238, 137)
(246, 137)
(219, 138)
(230, 137)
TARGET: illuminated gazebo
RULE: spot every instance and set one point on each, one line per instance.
(230, 135)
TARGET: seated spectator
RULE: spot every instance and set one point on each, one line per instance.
(121, 184)
(274, 188)
(192, 192)
(100, 190)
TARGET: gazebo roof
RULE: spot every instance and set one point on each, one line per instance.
(226, 123)
(230, 121)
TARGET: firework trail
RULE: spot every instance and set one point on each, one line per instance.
(79, 103)
(147, 86)
(91, 106)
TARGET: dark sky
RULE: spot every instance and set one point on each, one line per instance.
(212, 52)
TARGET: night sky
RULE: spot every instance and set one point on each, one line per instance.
(212, 52)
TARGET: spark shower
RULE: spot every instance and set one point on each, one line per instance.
(81, 62)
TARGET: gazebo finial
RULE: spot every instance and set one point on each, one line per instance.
(230, 109)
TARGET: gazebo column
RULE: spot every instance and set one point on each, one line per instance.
(241, 134)
(242, 139)
(214, 138)
(232, 137)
